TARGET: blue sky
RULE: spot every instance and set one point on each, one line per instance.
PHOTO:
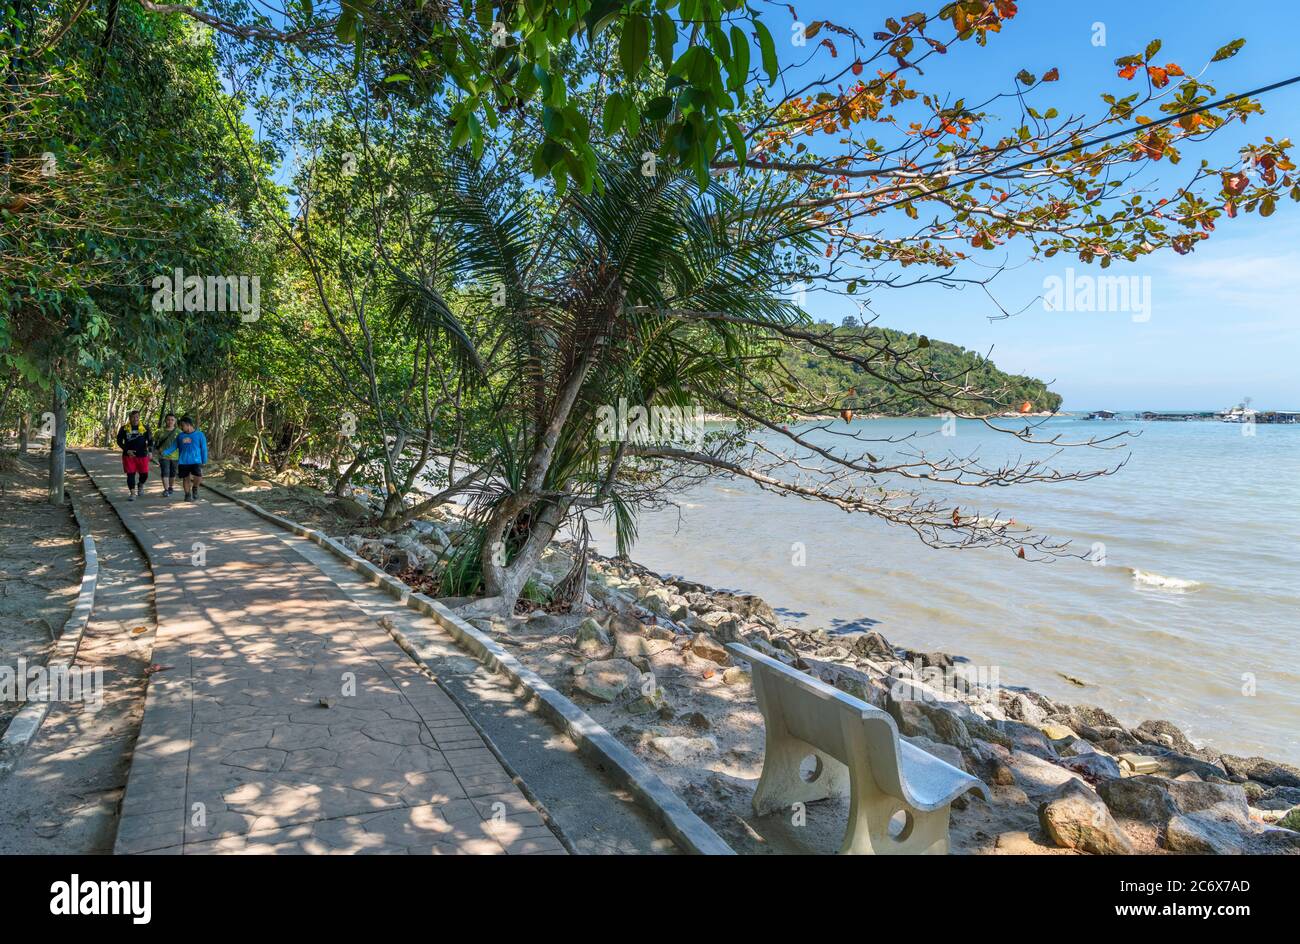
(1224, 320)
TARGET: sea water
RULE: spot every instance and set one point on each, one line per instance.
(1185, 606)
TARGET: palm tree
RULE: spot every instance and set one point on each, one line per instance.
(592, 300)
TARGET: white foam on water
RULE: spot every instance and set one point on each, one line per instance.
(1148, 579)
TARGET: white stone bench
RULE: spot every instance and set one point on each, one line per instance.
(899, 795)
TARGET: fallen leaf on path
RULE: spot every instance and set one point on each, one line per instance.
(155, 668)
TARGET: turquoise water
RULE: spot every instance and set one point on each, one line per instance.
(1208, 517)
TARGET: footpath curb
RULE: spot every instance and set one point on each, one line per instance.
(690, 832)
(25, 725)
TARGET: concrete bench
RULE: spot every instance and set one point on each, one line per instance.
(899, 795)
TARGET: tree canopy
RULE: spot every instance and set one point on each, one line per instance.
(475, 227)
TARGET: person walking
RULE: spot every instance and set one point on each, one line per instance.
(135, 440)
(169, 453)
(193, 454)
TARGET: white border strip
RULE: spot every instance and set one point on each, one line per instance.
(686, 828)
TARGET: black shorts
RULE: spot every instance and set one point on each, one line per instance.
(188, 469)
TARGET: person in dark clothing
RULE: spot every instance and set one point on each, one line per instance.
(136, 441)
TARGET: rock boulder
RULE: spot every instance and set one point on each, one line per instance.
(1075, 817)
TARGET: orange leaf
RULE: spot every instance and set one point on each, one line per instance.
(1159, 77)
(1051, 75)
(1152, 146)
(1128, 71)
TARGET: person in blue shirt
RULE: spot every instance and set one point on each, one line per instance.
(193, 454)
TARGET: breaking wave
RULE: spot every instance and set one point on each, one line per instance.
(1148, 579)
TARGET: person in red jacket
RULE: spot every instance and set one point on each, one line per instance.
(135, 439)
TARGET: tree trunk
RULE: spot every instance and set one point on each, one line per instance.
(392, 517)
(4, 400)
(58, 445)
(24, 431)
(165, 406)
(341, 483)
(508, 581)
(110, 415)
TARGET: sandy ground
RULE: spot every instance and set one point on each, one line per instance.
(65, 794)
(300, 503)
(40, 567)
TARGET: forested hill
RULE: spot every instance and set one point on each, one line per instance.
(870, 395)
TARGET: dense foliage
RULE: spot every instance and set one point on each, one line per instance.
(499, 220)
(993, 391)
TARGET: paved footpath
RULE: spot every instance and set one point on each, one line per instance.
(282, 718)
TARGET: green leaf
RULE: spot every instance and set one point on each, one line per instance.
(665, 38)
(658, 108)
(1228, 51)
(346, 28)
(475, 136)
(768, 50)
(553, 121)
(397, 77)
(634, 45)
(600, 17)
(460, 134)
(738, 70)
(614, 113)
(737, 140)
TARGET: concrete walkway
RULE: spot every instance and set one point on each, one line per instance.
(282, 718)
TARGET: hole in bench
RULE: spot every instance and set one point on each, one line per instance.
(810, 768)
(900, 826)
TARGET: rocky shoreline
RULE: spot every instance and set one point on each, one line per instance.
(646, 658)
